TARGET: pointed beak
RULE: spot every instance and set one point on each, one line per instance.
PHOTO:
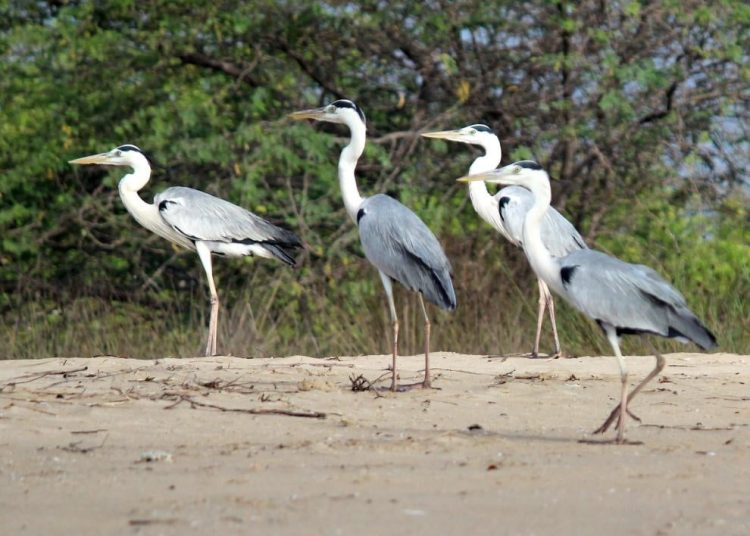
(101, 158)
(495, 176)
(313, 113)
(452, 135)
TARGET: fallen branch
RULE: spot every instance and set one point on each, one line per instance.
(360, 383)
(15, 382)
(698, 427)
(75, 446)
(251, 411)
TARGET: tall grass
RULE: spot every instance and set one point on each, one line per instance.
(326, 308)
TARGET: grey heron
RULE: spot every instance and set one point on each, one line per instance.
(506, 210)
(393, 238)
(196, 220)
(622, 298)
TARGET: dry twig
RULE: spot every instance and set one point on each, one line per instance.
(251, 411)
(27, 379)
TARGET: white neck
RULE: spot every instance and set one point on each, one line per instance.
(347, 163)
(484, 204)
(544, 265)
(144, 213)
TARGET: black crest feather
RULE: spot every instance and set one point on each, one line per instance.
(529, 164)
(481, 128)
(345, 103)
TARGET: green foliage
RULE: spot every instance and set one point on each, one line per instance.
(638, 109)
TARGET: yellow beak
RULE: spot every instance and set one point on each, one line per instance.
(476, 177)
(313, 113)
(100, 158)
(452, 135)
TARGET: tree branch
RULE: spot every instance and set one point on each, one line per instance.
(309, 71)
(240, 72)
(654, 116)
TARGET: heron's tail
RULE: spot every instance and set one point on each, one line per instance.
(683, 323)
(441, 293)
(280, 252)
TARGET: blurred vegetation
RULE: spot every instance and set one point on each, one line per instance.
(639, 110)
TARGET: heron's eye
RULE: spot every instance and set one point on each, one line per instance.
(118, 153)
(517, 170)
(331, 109)
(472, 132)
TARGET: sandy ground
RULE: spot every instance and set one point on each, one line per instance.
(121, 446)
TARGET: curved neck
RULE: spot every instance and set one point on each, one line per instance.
(543, 264)
(144, 213)
(347, 163)
(139, 178)
(484, 204)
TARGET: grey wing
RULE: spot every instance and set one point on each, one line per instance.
(399, 244)
(201, 216)
(632, 298)
(559, 236)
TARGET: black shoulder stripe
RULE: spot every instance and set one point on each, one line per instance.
(566, 273)
(501, 205)
(164, 204)
(360, 214)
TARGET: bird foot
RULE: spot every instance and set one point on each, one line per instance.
(417, 385)
(614, 415)
(558, 354)
(409, 387)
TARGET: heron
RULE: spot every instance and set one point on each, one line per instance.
(622, 298)
(506, 210)
(395, 240)
(198, 221)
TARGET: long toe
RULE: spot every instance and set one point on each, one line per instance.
(636, 417)
(615, 415)
(608, 422)
(418, 385)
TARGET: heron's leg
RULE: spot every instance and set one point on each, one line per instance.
(426, 383)
(660, 363)
(551, 309)
(540, 316)
(388, 285)
(621, 410)
(205, 256)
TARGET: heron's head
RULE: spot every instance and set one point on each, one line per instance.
(478, 134)
(124, 155)
(524, 173)
(341, 111)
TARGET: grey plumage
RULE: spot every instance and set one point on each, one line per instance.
(197, 221)
(400, 245)
(622, 298)
(505, 212)
(201, 216)
(394, 239)
(559, 236)
(632, 298)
